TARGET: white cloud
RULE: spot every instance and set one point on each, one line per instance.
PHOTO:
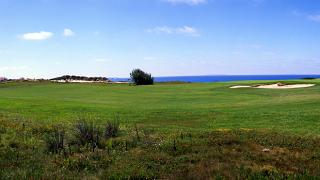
(37, 36)
(188, 2)
(315, 17)
(68, 32)
(186, 30)
(162, 29)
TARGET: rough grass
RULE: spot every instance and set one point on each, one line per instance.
(140, 153)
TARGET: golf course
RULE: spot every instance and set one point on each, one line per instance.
(163, 131)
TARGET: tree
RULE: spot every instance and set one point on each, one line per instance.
(138, 77)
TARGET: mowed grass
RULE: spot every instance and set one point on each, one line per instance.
(169, 107)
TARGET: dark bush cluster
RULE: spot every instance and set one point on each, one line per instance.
(139, 77)
(85, 134)
(83, 78)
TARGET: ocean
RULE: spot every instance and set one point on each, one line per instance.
(224, 78)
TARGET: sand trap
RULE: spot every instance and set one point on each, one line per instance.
(276, 86)
(237, 87)
(291, 86)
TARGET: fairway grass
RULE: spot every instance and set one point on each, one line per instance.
(169, 107)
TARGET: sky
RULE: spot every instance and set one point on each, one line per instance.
(50, 38)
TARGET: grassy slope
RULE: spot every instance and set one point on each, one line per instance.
(169, 107)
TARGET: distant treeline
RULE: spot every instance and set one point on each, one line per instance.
(79, 78)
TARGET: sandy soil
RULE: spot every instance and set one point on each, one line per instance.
(276, 86)
(291, 86)
(237, 87)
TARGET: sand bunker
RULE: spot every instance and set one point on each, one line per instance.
(276, 86)
(292, 86)
(237, 87)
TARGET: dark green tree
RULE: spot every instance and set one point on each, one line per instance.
(139, 77)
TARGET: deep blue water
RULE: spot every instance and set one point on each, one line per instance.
(224, 78)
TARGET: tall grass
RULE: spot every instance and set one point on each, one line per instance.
(55, 140)
(219, 154)
(88, 134)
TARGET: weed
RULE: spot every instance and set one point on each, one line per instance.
(111, 129)
(55, 140)
(88, 134)
(137, 132)
(174, 145)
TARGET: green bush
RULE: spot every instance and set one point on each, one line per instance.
(138, 77)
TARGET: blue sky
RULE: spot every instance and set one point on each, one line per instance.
(48, 38)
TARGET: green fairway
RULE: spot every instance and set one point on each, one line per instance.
(168, 107)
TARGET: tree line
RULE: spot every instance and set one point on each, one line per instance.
(79, 78)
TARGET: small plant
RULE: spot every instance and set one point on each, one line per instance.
(174, 145)
(87, 134)
(111, 129)
(126, 145)
(55, 141)
(137, 132)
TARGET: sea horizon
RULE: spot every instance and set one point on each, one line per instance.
(225, 78)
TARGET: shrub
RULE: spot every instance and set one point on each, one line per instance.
(138, 77)
(55, 141)
(87, 134)
(111, 129)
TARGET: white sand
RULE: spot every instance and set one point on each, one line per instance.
(291, 86)
(276, 86)
(118, 82)
(237, 87)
